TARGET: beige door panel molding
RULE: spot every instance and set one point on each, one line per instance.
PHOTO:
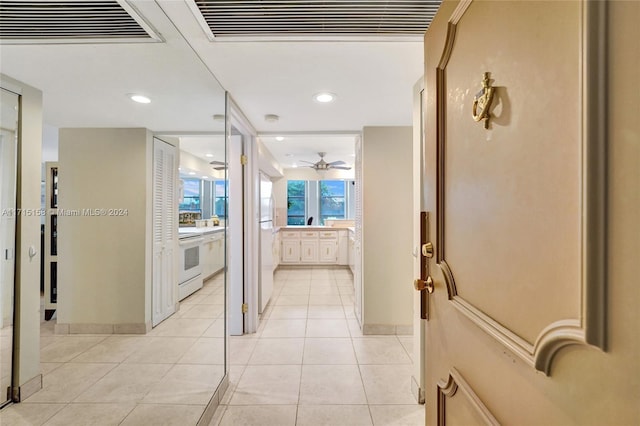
(456, 393)
(575, 303)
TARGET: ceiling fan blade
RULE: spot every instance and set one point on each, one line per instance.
(220, 168)
(341, 167)
(217, 163)
(336, 163)
(308, 162)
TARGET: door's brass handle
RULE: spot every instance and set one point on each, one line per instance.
(424, 284)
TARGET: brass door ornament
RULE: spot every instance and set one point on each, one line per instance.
(482, 102)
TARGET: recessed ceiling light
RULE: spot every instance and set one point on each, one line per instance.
(218, 117)
(324, 97)
(295, 166)
(139, 98)
(205, 177)
(279, 138)
(271, 118)
(208, 155)
(192, 173)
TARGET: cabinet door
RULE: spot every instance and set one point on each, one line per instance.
(352, 254)
(328, 251)
(290, 251)
(309, 251)
(343, 248)
(276, 251)
(218, 254)
(206, 258)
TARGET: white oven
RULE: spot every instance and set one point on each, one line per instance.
(190, 272)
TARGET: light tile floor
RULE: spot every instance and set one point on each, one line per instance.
(309, 364)
(165, 377)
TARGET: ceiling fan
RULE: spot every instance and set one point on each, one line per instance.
(218, 165)
(323, 165)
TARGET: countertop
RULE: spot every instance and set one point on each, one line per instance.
(314, 228)
(192, 231)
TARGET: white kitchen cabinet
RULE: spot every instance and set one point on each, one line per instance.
(309, 251)
(212, 259)
(309, 235)
(206, 257)
(352, 252)
(343, 247)
(328, 250)
(290, 251)
(314, 246)
(276, 250)
(218, 257)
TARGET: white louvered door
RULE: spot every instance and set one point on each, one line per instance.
(164, 289)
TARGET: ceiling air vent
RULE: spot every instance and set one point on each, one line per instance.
(72, 22)
(266, 18)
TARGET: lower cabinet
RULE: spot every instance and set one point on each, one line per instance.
(328, 251)
(309, 251)
(352, 253)
(313, 247)
(276, 250)
(212, 254)
(290, 252)
(343, 247)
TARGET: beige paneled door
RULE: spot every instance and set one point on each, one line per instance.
(527, 323)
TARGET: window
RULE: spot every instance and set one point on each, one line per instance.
(332, 200)
(191, 198)
(296, 202)
(220, 198)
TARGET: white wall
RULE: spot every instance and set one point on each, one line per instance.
(104, 264)
(27, 294)
(49, 143)
(387, 269)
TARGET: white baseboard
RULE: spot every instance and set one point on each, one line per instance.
(387, 329)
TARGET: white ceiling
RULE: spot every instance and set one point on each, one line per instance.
(85, 85)
(293, 150)
(209, 148)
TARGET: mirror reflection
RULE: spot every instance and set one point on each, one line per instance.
(131, 315)
(8, 141)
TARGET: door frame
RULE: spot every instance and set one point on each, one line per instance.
(418, 376)
(13, 384)
(244, 264)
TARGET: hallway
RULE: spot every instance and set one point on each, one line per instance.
(307, 365)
